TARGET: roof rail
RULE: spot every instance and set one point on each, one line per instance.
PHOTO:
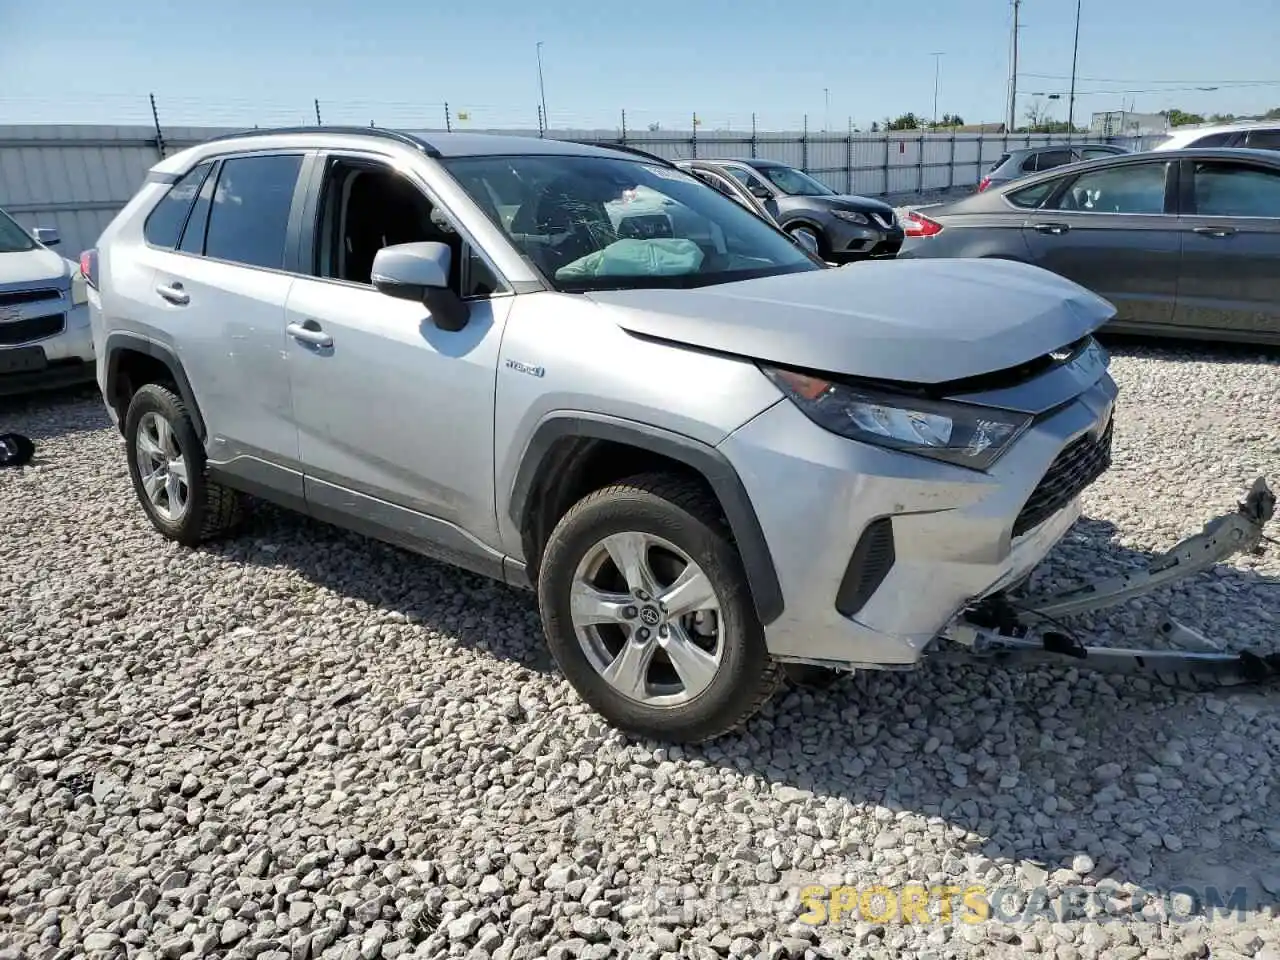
(407, 139)
(624, 148)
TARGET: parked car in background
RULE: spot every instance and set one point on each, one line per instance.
(589, 374)
(1253, 135)
(1016, 164)
(841, 227)
(1183, 243)
(44, 323)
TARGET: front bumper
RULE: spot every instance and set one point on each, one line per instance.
(953, 530)
(61, 360)
(849, 239)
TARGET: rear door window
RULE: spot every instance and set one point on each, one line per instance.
(249, 213)
(1214, 140)
(1004, 158)
(164, 225)
(1263, 139)
(1048, 159)
(1134, 188)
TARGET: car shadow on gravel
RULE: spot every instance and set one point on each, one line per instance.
(51, 414)
(439, 597)
(1043, 764)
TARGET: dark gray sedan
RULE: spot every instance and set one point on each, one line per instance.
(1184, 243)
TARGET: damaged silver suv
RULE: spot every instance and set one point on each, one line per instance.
(583, 371)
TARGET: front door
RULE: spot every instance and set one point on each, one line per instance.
(395, 415)
(1230, 226)
(1108, 231)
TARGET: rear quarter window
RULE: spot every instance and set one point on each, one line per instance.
(164, 224)
(1031, 197)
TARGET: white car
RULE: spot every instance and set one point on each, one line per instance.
(45, 340)
(1255, 135)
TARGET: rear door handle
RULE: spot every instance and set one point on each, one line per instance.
(1054, 228)
(309, 332)
(1218, 232)
(174, 293)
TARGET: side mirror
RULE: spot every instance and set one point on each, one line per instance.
(420, 272)
(759, 191)
(46, 235)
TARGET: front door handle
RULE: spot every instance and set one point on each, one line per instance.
(174, 293)
(1055, 228)
(1218, 232)
(309, 332)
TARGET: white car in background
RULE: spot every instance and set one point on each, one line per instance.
(45, 340)
(1252, 134)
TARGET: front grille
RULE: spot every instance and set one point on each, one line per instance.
(34, 328)
(15, 298)
(1082, 462)
(871, 562)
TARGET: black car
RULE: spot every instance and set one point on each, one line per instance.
(840, 227)
(1183, 243)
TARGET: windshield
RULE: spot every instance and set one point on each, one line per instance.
(792, 181)
(13, 239)
(599, 223)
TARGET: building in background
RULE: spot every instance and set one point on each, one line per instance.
(1127, 123)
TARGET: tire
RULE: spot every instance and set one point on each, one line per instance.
(824, 248)
(670, 522)
(208, 509)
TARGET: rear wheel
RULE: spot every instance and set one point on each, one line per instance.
(648, 614)
(167, 465)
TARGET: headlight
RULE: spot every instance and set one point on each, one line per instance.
(79, 288)
(956, 433)
(852, 216)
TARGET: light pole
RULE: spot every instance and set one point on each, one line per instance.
(826, 109)
(937, 65)
(1071, 102)
(542, 90)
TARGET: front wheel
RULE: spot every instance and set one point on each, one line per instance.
(810, 239)
(648, 614)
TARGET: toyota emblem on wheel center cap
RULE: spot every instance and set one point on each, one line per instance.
(650, 616)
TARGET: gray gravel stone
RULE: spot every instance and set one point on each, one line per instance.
(296, 743)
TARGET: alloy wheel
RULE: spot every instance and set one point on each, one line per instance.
(162, 467)
(648, 618)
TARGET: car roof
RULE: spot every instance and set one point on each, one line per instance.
(445, 145)
(1040, 148)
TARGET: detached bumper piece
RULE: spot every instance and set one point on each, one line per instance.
(1006, 631)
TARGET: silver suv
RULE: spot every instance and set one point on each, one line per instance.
(44, 321)
(583, 371)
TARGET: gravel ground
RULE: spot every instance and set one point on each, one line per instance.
(304, 744)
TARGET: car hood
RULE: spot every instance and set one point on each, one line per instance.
(32, 266)
(852, 202)
(918, 321)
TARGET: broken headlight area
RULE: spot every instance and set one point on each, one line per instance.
(957, 433)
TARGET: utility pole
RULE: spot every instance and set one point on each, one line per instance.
(542, 90)
(937, 65)
(1013, 73)
(1071, 102)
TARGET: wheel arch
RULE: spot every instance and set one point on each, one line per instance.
(131, 360)
(569, 455)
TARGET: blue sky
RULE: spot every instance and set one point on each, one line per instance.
(396, 62)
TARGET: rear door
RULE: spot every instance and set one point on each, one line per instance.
(1230, 225)
(1112, 230)
(224, 283)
